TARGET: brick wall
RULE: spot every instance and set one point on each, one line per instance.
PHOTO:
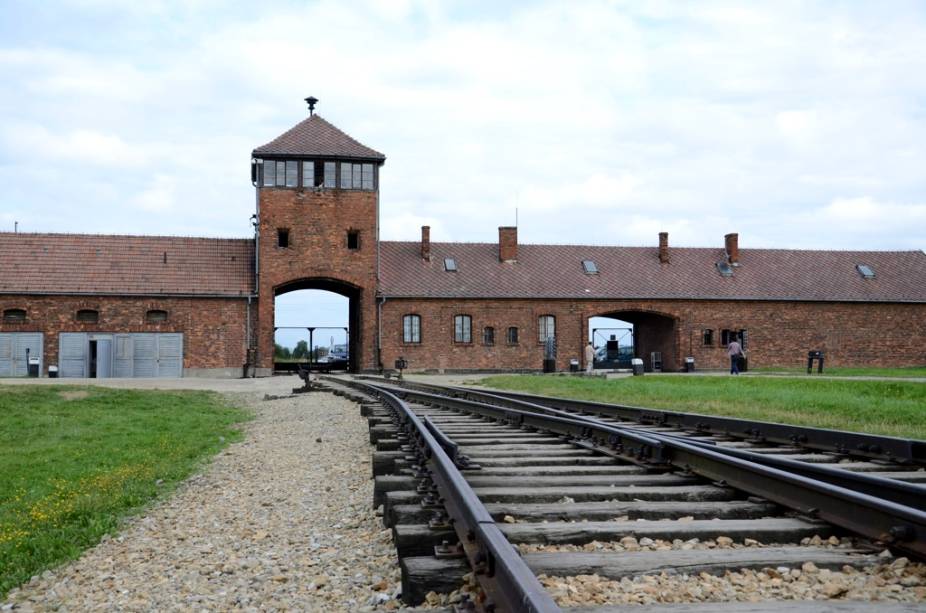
(779, 333)
(318, 222)
(213, 328)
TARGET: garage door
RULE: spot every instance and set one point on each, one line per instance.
(133, 355)
(73, 354)
(13, 346)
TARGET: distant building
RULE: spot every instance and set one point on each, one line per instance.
(144, 306)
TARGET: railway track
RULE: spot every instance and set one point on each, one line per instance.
(540, 501)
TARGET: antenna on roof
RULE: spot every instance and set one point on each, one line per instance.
(312, 100)
(15, 227)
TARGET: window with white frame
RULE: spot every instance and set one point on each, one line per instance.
(411, 329)
(462, 329)
(546, 327)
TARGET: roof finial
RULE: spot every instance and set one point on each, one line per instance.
(312, 100)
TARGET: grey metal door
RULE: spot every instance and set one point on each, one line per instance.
(104, 359)
(73, 349)
(145, 355)
(122, 355)
(170, 355)
(13, 346)
(6, 355)
(23, 341)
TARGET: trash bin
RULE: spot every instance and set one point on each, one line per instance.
(637, 365)
(742, 363)
(549, 365)
(53, 371)
(814, 355)
(689, 364)
(33, 367)
(574, 365)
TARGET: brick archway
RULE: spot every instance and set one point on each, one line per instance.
(350, 291)
(653, 331)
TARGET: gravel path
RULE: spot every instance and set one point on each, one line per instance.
(280, 521)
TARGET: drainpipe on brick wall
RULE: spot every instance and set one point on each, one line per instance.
(247, 339)
(379, 332)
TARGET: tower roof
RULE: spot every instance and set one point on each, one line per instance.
(316, 137)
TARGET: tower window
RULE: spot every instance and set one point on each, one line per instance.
(308, 174)
(353, 239)
(88, 316)
(331, 169)
(282, 237)
(269, 167)
(12, 316)
(281, 173)
(356, 176)
(292, 173)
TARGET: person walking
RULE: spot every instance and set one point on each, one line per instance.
(735, 351)
(589, 358)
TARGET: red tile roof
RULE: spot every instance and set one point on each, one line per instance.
(316, 137)
(555, 271)
(125, 265)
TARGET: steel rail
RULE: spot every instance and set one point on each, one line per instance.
(852, 443)
(899, 525)
(907, 494)
(497, 565)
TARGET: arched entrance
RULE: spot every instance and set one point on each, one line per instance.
(349, 291)
(655, 337)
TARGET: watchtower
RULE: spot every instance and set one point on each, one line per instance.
(317, 227)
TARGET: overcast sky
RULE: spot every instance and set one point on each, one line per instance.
(796, 124)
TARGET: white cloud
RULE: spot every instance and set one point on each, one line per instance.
(80, 145)
(159, 197)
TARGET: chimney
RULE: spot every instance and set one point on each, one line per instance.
(664, 247)
(508, 244)
(426, 243)
(731, 244)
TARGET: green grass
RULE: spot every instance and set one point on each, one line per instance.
(911, 371)
(893, 408)
(74, 461)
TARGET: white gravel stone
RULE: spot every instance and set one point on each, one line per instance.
(277, 521)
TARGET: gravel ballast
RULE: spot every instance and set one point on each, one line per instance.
(281, 520)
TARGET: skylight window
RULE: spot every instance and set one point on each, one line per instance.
(865, 271)
(450, 265)
(590, 267)
(724, 269)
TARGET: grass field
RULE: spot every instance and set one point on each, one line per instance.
(75, 460)
(913, 371)
(894, 408)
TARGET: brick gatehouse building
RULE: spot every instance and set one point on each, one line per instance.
(94, 305)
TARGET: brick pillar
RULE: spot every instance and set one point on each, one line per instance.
(664, 247)
(507, 244)
(731, 244)
(426, 243)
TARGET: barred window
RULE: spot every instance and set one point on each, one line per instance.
(546, 326)
(512, 335)
(88, 316)
(462, 329)
(488, 335)
(411, 329)
(707, 337)
(11, 316)
(154, 316)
